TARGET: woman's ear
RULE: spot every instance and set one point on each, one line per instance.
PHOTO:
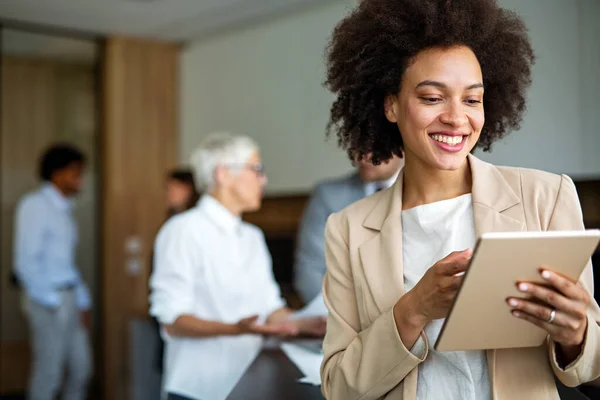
(388, 107)
(221, 175)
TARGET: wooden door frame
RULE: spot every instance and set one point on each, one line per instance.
(140, 118)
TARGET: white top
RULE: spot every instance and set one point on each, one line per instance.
(429, 233)
(210, 264)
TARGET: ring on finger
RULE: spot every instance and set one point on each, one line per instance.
(552, 316)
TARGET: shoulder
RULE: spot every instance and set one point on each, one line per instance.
(334, 194)
(533, 184)
(182, 225)
(334, 185)
(545, 197)
(253, 231)
(356, 213)
(31, 201)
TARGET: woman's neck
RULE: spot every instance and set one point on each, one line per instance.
(227, 201)
(423, 184)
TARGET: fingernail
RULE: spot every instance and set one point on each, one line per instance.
(546, 274)
(523, 287)
(516, 313)
(513, 302)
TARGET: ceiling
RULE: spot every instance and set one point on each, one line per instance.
(173, 20)
(57, 48)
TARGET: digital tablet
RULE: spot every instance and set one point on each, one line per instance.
(480, 318)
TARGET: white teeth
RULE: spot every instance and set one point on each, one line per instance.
(451, 140)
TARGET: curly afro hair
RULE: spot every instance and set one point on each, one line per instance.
(371, 47)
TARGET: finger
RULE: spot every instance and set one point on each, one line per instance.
(457, 256)
(551, 328)
(453, 268)
(266, 329)
(540, 312)
(286, 328)
(450, 283)
(249, 320)
(572, 290)
(456, 281)
(553, 298)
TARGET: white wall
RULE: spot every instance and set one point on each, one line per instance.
(266, 81)
(589, 82)
(560, 130)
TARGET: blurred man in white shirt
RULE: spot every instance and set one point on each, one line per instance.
(212, 287)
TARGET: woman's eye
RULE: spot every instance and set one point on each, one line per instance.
(473, 102)
(431, 100)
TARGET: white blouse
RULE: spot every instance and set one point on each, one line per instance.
(210, 264)
(429, 233)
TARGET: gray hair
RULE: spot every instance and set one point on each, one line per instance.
(220, 148)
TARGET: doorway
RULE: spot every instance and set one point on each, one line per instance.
(49, 94)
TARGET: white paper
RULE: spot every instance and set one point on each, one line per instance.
(308, 362)
(315, 308)
(236, 357)
(311, 381)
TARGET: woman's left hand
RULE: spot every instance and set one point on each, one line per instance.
(563, 314)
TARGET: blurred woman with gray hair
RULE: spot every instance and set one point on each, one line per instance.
(212, 287)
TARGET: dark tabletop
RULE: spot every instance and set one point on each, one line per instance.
(272, 376)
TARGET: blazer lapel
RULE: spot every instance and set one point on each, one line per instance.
(494, 200)
(381, 256)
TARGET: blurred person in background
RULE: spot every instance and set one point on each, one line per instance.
(181, 191)
(181, 195)
(56, 301)
(328, 197)
(213, 288)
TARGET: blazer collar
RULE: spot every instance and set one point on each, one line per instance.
(494, 210)
(490, 190)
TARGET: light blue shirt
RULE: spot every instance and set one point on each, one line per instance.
(46, 238)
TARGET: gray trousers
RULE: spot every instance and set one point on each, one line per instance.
(59, 345)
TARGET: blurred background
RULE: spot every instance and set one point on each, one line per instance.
(136, 84)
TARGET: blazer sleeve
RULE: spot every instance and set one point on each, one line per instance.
(567, 215)
(357, 364)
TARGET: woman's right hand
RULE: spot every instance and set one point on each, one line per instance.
(432, 296)
(249, 326)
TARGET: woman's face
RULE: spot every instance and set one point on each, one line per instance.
(439, 109)
(248, 184)
(179, 195)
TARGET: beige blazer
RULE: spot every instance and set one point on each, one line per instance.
(364, 357)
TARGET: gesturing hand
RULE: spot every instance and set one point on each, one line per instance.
(314, 326)
(248, 325)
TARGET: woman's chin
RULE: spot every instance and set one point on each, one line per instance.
(449, 162)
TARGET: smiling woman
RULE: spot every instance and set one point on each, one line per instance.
(362, 85)
(437, 79)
